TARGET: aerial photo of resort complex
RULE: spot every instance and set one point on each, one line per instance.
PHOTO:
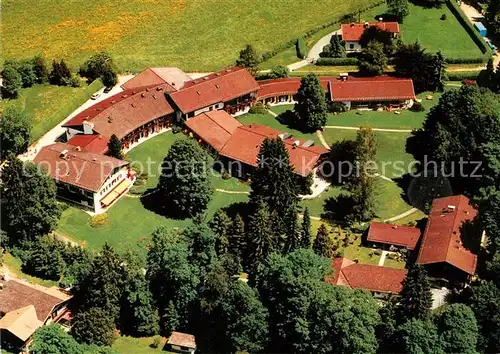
(255, 176)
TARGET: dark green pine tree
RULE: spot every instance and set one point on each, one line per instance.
(261, 240)
(95, 326)
(274, 183)
(293, 238)
(337, 47)
(202, 242)
(249, 59)
(305, 240)
(138, 313)
(237, 238)
(416, 296)
(221, 226)
(115, 147)
(29, 207)
(373, 60)
(103, 287)
(311, 108)
(323, 244)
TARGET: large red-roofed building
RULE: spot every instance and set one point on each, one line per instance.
(237, 142)
(376, 279)
(354, 92)
(444, 250)
(89, 179)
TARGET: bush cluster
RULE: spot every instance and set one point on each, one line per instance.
(475, 60)
(336, 61)
(99, 220)
(417, 107)
(258, 109)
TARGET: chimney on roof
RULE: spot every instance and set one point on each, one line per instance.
(451, 207)
(88, 127)
(143, 95)
(1, 286)
(296, 143)
(78, 148)
(352, 24)
(344, 76)
(366, 25)
(63, 154)
(380, 19)
(198, 93)
(147, 89)
(154, 96)
(217, 86)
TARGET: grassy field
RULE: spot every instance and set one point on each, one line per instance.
(191, 34)
(425, 26)
(130, 345)
(130, 224)
(14, 265)
(47, 105)
(391, 149)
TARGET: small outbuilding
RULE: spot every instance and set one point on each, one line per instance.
(181, 343)
(386, 235)
(481, 29)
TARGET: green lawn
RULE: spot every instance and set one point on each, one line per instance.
(425, 26)
(130, 224)
(47, 105)
(14, 265)
(270, 121)
(392, 159)
(130, 345)
(190, 34)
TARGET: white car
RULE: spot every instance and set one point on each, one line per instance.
(95, 95)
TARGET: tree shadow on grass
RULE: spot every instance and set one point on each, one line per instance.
(155, 201)
(337, 210)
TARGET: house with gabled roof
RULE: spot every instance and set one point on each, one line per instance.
(351, 33)
(26, 307)
(450, 239)
(91, 180)
(387, 236)
(380, 281)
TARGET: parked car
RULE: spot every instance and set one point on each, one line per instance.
(95, 96)
(491, 45)
(107, 89)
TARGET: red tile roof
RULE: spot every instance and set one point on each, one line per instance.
(441, 241)
(394, 235)
(380, 88)
(244, 145)
(79, 168)
(123, 113)
(242, 142)
(352, 31)
(222, 86)
(367, 277)
(215, 127)
(92, 143)
(16, 295)
(173, 78)
(182, 339)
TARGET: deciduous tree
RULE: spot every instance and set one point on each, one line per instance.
(60, 74)
(417, 336)
(185, 182)
(11, 81)
(15, 131)
(40, 68)
(100, 65)
(457, 329)
(249, 59)
(398, 8)
(30, 207)
(52, 339)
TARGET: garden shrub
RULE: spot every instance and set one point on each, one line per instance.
(176, 129)
(336, 107)
(99, 220)
(156, 342)
(475, 60)
(258, 109)
(417, 107)
(443, 17)
(74, 81)
(301, 48)
(226, 175)
(336, 61)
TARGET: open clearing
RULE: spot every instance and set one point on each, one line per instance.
(191, 34)
(48, 105)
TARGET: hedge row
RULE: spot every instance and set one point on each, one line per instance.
(336, 61)
(461, 75)
(464, 21)
(301, 48)
(476, 60)
(269, 54)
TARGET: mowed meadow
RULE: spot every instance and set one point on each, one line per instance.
(195, 35)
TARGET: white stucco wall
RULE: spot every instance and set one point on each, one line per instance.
(356, 47)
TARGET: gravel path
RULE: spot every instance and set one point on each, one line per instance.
(374, 129)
